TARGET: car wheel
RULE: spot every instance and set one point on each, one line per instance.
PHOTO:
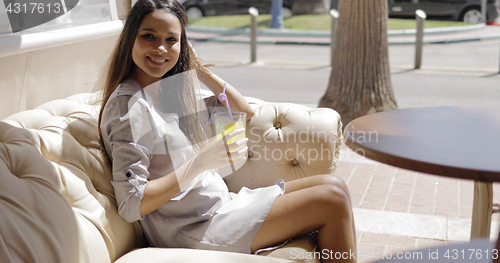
(472, 15)
(194, 12)
(286, 12)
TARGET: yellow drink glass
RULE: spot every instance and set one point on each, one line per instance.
(224, 125)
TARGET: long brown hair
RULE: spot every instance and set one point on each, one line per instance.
(121, 66)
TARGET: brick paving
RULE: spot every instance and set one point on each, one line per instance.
(373, 246)
(378, 186)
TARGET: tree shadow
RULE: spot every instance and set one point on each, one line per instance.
(404, 71)
(491, 75)
(319, 67)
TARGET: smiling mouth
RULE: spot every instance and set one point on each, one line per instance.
(157, 60)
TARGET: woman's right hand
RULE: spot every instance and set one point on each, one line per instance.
(216, 154)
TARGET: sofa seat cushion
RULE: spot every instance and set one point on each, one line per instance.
(180, 255)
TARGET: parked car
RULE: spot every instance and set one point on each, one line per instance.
(468, 11)
(198, 8)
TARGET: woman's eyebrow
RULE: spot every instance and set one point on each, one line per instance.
(152, 30)
(148, 29)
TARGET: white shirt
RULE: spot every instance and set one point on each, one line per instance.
(145, 144)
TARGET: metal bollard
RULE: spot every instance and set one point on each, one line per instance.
(419, 43)
(499, 66)
(254, 13)
(335, 15)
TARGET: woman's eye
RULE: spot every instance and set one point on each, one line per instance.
(171, 39)
(149, 36)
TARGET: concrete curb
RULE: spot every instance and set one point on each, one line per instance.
(326, 33)
(305, 41)
(312, 37)
(446, 40)
(437, 30)
(261, 42)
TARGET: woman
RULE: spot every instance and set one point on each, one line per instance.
(164, 170)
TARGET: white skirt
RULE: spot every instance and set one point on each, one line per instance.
(197, 221)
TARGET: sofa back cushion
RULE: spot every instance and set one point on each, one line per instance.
(56, 199)
(288, 141)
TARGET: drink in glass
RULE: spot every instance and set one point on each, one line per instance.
(224, 124)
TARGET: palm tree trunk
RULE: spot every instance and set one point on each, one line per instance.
(360, 79)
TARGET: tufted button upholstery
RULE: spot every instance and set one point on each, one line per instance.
(281, 134)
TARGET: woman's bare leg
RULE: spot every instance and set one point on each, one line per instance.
(315, 180)
(320, 179)
(309, 206)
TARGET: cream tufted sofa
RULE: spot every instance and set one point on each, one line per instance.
(57, 202)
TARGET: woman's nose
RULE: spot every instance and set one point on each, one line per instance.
(161, 49)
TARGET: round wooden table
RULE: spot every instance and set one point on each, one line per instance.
(459, 142)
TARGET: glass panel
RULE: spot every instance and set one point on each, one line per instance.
(84, 12)
(4, 20)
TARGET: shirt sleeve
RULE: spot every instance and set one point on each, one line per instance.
(128, 135)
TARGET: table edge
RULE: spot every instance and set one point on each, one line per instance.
(420, 166)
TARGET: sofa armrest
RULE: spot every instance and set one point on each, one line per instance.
(53, 151)
(288, 141)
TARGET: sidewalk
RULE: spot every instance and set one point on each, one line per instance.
(459, 34)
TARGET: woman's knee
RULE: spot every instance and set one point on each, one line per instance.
(330, 179)
(333, 198)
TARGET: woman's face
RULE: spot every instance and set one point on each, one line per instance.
(156, 47)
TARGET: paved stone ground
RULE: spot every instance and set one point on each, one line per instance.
(373, 246)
